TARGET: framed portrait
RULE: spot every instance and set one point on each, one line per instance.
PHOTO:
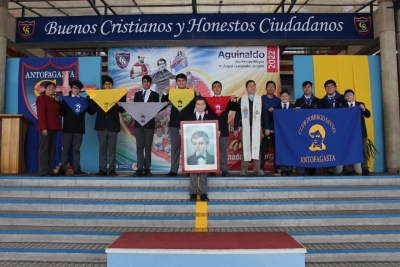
(200, 146)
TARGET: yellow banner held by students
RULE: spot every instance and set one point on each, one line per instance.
(180, 98)
(106, 99)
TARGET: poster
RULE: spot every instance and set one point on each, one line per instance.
(232, 66)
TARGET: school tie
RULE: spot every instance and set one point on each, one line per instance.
(199, 118)
(332, 101)
(284, 106)
(144, 93)
(351, 105)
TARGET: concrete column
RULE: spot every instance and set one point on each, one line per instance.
(3, 50)
(387, 37)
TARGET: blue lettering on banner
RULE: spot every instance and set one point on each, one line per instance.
(195, 27)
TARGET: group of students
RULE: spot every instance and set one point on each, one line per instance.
(49, 109)
(253, 119)
(332, 99)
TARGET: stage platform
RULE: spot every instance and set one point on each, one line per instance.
(140, 249)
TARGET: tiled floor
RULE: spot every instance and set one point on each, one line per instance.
(233, 229)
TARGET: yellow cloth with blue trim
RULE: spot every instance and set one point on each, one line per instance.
(180, 98)
(106, 99)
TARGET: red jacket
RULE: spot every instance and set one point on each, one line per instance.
(47, 112)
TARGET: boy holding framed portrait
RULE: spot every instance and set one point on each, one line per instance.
(199, 136)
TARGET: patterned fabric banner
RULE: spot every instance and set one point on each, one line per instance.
(180, 98)
(77, 104)
(218, 104)
(106, 99)
(143, 112)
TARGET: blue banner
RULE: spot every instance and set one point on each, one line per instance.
(318, 138)
(164, 27)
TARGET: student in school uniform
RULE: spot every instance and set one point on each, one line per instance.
(200, 141)
(107, 126)
(145, 133)
(350, 98)
(223, 127)
(73, 130)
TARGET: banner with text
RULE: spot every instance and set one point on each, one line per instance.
(34, 74)
(232, 66)
(317, 26)
(318, 138)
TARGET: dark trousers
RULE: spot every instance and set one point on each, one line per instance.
(76, 140)
(194, 185)
(175, 140)
(263, 150)
(107, 143)
(144, 139)
(223, 145)
(47, 147)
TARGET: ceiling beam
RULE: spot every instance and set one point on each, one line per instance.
(370, 3)
(92, 4)
(281, 4)
(108, 7)
(291, 5)
(25, 7)
(194, 7)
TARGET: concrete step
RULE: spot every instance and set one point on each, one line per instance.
(159, 205)
(106, 235)
(187, 220)
(183, 181)
(214, 193)
(61, 252)
(348, 252)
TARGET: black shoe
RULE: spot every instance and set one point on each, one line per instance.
(61, 172)
(148, 173)
(102, 173)
(193, 198)
(138, 173)
(204, 197)
(225, 174)
(80, 173)
(48, 174)
(329, 173)
(171, 174)
(211, 174)
(112, 173)
(365, 172)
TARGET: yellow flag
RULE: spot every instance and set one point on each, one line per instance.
(180, 98)
(106, 99)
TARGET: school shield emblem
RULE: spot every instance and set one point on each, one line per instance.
(122, 59)
(26, 29)
(363, 25)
